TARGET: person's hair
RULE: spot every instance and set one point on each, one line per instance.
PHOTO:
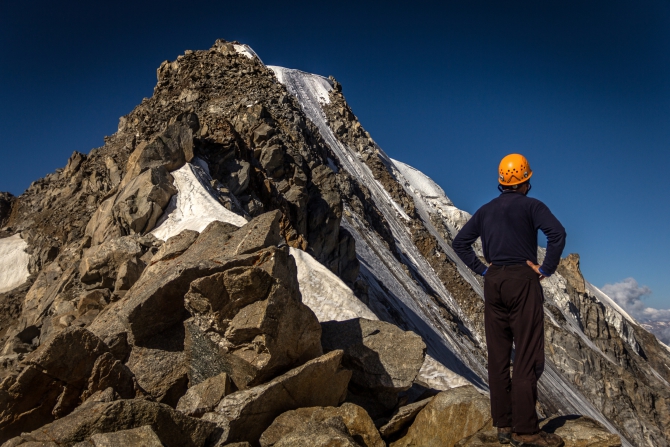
(513, 187)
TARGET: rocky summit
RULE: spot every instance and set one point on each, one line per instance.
(240, 264)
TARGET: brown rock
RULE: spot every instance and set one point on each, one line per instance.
(319, 382)
(170, 150)
(257, 314)
(101, 264)
(142, 436)
(134, 209)
(175, 246)
(160, 367)
(381, 355)
(569, 269)
(203, 397)
(358, 424)
(171, 427)
(581, 431)
(27, 401)
(402, 418)
(450, 416)
(62, 373)
(93, 300)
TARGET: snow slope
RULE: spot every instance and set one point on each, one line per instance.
(325, 293)
(13, 262)
(194, 206)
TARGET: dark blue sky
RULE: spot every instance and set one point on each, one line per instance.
(582, 88)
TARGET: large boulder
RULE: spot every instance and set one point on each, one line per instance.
(449, 417)
(290, 425)
(256, 313)
(60, 375)
(161, 368)
(172, 427)
(384, 360)
(381, 355)
(248, 413)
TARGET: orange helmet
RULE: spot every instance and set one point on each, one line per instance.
(513, 170)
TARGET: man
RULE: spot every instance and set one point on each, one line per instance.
(513, 309)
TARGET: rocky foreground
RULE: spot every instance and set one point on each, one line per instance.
(212, 345)
(253, 315)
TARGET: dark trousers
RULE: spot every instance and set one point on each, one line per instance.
(513, 313)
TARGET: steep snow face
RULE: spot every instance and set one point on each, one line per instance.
(432, 196)
(194, 206)
(13, 262)
(315, 86)
(246, 50)
(325, 293)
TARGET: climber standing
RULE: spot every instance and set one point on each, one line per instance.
(513, 309)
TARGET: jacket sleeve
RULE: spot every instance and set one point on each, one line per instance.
(462, 245)
(552, 228)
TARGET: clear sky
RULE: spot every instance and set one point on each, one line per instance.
(582, 88)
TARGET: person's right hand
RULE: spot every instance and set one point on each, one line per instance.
(536, 267)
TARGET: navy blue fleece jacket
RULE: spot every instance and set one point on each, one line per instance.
(508, 227)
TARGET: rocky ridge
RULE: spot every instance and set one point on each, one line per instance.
(125, 332)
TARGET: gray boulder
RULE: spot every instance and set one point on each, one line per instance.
(248, 413)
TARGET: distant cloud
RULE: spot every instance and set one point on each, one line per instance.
(629, 294)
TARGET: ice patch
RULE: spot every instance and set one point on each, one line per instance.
(317, 86)
(194, 206)
(247, 51)
(325, 293)
(13, 262)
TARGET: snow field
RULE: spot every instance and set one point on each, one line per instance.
(194, 206)
(13, 262)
